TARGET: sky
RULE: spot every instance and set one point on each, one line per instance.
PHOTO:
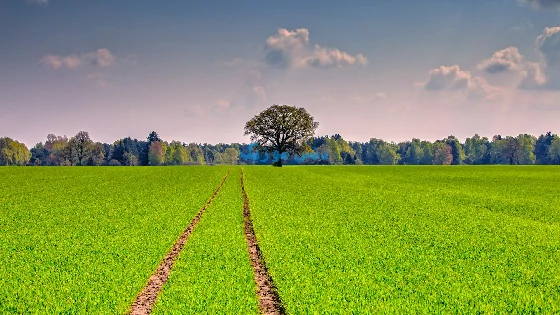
(196, 71)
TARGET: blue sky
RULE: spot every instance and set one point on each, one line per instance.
(198, 70)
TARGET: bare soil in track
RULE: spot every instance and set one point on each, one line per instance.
(267, 293)
(146, 299)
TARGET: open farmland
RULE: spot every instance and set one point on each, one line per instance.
(348, 239)
(410, 239)
(212, 275)
(85, 240)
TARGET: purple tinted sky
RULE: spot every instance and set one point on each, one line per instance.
(198, 70)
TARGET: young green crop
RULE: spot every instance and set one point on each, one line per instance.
(212, 274)
(85, 240)
(335, 239)
(410, 239)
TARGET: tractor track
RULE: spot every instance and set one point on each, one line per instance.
(145, 301)
(267, 293)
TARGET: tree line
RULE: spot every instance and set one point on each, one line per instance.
(333, 150)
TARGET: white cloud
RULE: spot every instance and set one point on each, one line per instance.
(52, 61)
(448, 78)
(542, 75)
(99, 58)
(546, 73)
(291, 49)
(452, 78)
(541, 4)
(533, 77)
(330, 57)
(479, 89)
(72, 61)
(548, 45)
(504, 60)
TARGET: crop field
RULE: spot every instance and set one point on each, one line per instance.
(335, 239)
(85, 240)
(410, 239)
(213, 274)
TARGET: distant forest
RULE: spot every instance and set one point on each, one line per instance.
(331, 150)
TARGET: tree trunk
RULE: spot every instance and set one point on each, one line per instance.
(279, 162)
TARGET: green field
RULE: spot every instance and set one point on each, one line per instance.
(410, 239)
(336, 239)
(212, 274)
(85, 240)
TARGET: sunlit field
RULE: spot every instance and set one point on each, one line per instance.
(336, 239)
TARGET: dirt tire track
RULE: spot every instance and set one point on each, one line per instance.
(146, 300)
(267, 293)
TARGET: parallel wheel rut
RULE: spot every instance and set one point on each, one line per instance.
(145, 301)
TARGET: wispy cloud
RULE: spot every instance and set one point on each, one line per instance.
(195, 110)
(376, 98)
(253, 77)
(525, 24)
(221, 106)
(218, 107)
(253, 92)
(98, 78)
(44, 2)
(238, 62)
(99, 58)
(292, 49)
(130, 59)
(258, 97)
(233, 62)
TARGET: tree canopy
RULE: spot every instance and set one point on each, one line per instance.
(281, 129)
(13, 152)
(333, 150)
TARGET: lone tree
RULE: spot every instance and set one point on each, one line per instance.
(281, 128)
